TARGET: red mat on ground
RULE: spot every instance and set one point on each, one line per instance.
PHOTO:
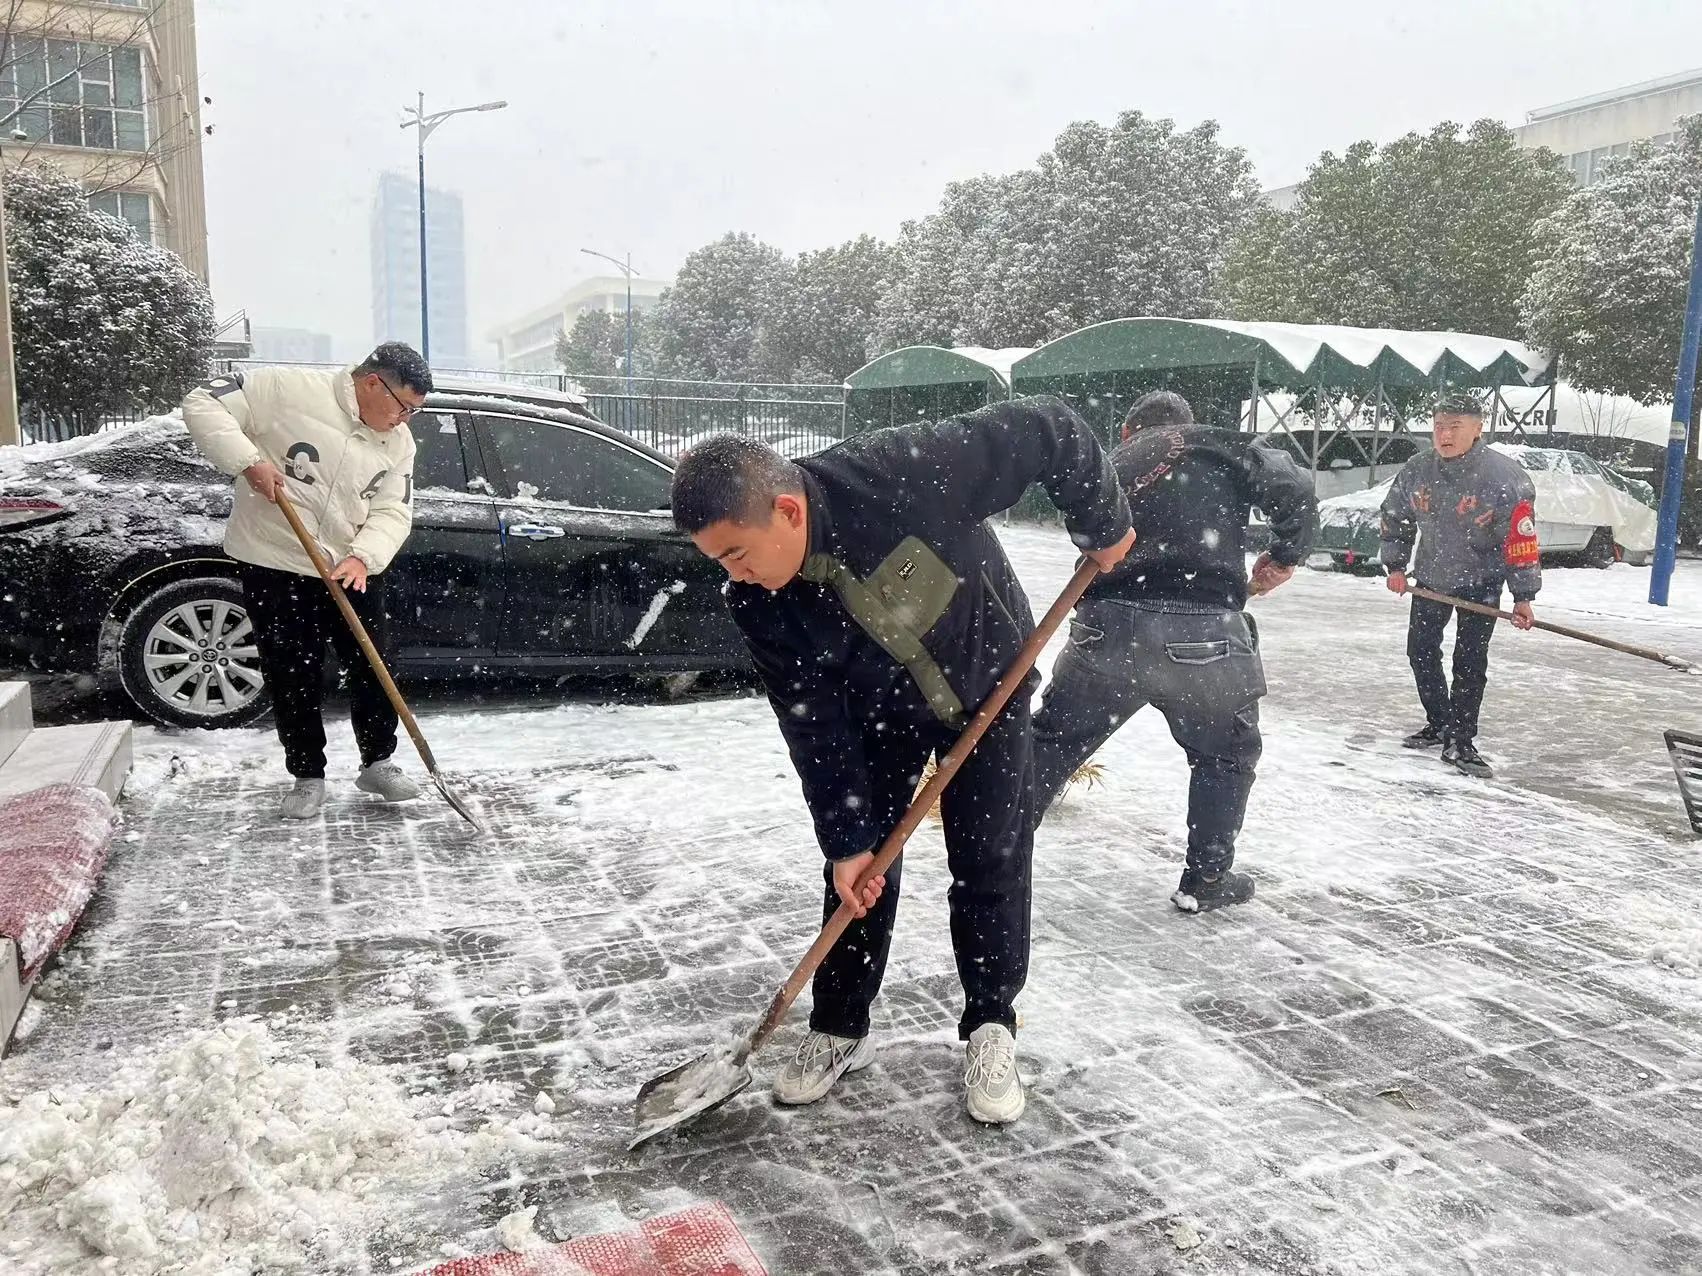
(53, 844)
(700, 1241)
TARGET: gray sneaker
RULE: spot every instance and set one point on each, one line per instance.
(990, 1080)
(304, 800)
(387, 780)
(821, 1060)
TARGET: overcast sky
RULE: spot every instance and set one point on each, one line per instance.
(652, 128)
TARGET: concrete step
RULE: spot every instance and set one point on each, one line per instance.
(13, 991)
(14, 717)
(95, 753)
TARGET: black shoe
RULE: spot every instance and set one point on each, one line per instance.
(1426, 737)
(1463, 756)
(1199, 893)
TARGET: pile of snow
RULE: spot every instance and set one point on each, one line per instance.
(229, 1154)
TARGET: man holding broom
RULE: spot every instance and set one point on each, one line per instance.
(1474, 513)
(1170, 628)
(336, 443)
(880, 610)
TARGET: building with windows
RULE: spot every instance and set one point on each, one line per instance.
(108, 91)
(1588, 131)
(396, 268)
(290, 345)
(528, 344)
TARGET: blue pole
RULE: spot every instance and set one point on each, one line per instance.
(1683, 395)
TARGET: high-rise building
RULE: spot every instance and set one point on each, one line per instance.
(291, 345)
(396, 269)
(109, 92)
(528, 343)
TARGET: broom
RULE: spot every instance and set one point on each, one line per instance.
(1089, 775)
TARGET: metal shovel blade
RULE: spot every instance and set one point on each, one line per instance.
(460, 807)
(685, 1093)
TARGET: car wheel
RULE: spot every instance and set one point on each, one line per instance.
(187, 658)
(1599, 552)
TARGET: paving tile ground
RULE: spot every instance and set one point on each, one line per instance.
(1458, 1031)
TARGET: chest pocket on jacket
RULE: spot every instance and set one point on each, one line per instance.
(915, 585)
(901, 600)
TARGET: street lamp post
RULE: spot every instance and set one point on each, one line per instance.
(626, 269)
(427, 125)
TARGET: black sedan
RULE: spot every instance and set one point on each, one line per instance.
(541, 545)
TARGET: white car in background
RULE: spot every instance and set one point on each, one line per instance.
(1586, 512)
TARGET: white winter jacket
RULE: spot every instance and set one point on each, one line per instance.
(352, 485)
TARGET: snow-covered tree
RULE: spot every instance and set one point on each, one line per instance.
(596, 344)
(709, 325)
(818, 325)
(1613, 267)
(101, 321)
(1134, 218)
(1433, 231)
(937, 268)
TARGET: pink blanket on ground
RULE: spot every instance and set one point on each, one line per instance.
(700, 1241)
(53, 845)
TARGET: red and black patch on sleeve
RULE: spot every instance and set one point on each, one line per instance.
(1522, 548)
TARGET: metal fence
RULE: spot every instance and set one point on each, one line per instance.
(670, 414)
(39, 426)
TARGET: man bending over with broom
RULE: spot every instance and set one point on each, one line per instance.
(880, 610)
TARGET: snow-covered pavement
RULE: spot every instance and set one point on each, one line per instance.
(1459, 1030)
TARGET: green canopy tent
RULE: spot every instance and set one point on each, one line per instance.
(1336, 396)
(926, 383)
(1337, 378)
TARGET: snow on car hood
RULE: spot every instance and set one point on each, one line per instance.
(140, 487)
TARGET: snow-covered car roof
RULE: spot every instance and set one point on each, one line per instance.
(523, 392)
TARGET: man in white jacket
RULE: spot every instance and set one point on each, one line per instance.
(337, 444)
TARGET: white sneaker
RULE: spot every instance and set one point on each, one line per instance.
(821, 1060)
(387, 780)
(304, 800)
(990, 1080)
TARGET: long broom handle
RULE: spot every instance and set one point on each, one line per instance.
(924, 801)
(1647, 653)
(361, 636)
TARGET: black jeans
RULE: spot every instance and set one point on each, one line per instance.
(294, 617)
(989, 825)
(1198, 666)
(1454, 713)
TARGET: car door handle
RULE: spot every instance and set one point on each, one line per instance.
(535, 531)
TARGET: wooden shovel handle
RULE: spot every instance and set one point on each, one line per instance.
(924, 801)
(359, 630)
(1647, 653)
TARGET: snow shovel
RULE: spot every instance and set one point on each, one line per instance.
(706, 1082)
(1647, 653)
(377, 661)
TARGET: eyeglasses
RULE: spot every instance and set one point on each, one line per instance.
(406, 410)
